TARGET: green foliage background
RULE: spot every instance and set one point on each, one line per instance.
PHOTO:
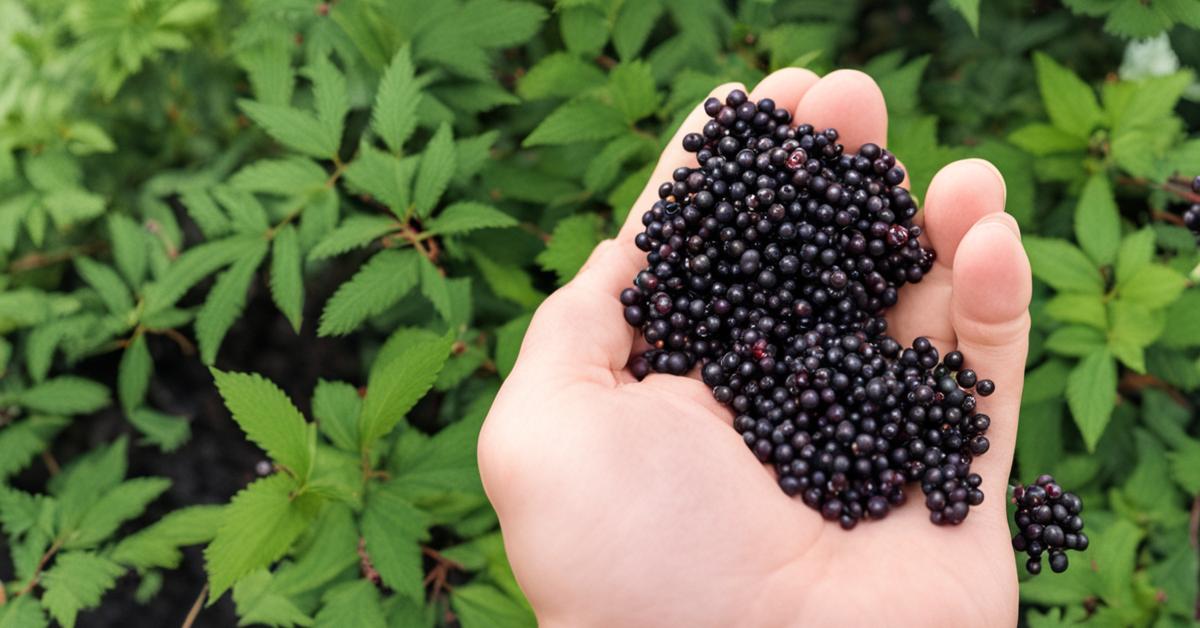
(417, 176)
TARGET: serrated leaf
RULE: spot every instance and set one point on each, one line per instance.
(268, 65)
(434, 287)
(123, 502)
(323, 554)
(76, 582)
(394, 115)
(584, 30)
(1043, 139)
(354, 232)
(247, 213)
(508, 343)
(633, 25)
(268, 418)
(64, 395)
(397, 382)
(330, 95)
(1062, 265)
(257, 529)
(1091, 391)
(392, 529)
(204, 211)
(466, 216)
(559, 75)
(1097, 220)
(290, 176)
(1070, 102)
(23, 612)
(319, 216)
(354, 603)
(379, 284)
(20, 441)
(1135, 252)
(293, 128)
(436, 465)
(164, 431)
(196, 264)
(259, 601)
(1075, 341)
(631, 87)
(107, 284)
(578, 121)
(287, 282)
(499, 23)
(225, 302)
(1153, 286)
(1183, 322)
(472, 153)
(42, 342)
(129, 247)
(570, 245)
(133, 373)
(508, 281)
(336, 406)
(385, 177)
(435, 171)
(484, 606)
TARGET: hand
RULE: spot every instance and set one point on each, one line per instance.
(627, 503)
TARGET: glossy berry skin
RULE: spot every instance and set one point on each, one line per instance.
(1048, 523)
(770, 266)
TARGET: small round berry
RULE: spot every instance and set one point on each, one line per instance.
(1058, 562)
(1033, 566)
(985, 387)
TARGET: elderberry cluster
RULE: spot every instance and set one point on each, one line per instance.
(770, 265)
(1048, 522)
(1191, 217)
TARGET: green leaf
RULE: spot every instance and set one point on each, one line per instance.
(23, 612)
(1064, 267)
(107, 283)
(248, 214)
(1153, 286)
(578, 121)
(435, 288)
(196, 264)
(1076, 341)
(484, 606)
(634, 23)
(572, 242)
(1136, 251)
(288, 177)
(392, 529)
(508, 343)
(164, 431)
(354, 603)
(336, 406)
(268, 418)
(354, 232)
(508, 281)
(268, 66)
(1043, 139)
(259, 601)
(324, 553)
(441, 464)
(378, 285)
(225, 302)
(76, 582)
(116, 506)
(20, 441)
(1091, 394)
(64, 395)
(631, 87)
(133, 374)
(559, 75)
(204, 211)
(584, 30)
(330, 96)
(607, 164)
(384, 176)
(319, 216)
(258, 527)
(499, 23)
(1182, 321)
(1097, 220)
(397, 382)
(287, 282)
(466, 216)
(297, 130)
(129, 246)
(435, 171)
(969, 9)
(1070, 102)
(394, 116)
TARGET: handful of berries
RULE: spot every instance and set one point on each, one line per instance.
(770, 266)
(1048, 522)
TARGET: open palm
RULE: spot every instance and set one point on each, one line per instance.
(628, 503)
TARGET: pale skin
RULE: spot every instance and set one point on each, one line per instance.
(627, 503)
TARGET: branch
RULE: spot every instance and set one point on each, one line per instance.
(197, 606)
(37, 573)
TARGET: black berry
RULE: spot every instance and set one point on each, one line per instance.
(1048, 521)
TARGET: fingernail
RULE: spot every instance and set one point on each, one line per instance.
(1000, 218)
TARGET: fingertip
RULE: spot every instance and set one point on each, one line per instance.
(786, 87)
(959, 196)
(849, 101)
(992, 279)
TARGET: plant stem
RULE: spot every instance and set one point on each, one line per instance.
(36, 260)
(37, 573)
(197, 606)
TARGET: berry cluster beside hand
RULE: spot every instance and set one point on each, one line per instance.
(635, 503)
